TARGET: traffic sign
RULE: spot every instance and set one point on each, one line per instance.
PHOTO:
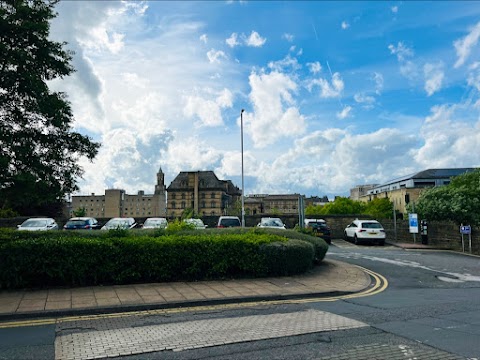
(413, 223)
(466, 229)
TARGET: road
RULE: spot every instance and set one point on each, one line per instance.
(430, 310)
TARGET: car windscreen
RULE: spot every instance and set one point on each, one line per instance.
(371, 226)
(230, 222)
(155, 223)
(34, 223)
(77, 223)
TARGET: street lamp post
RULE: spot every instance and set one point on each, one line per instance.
(243, 184)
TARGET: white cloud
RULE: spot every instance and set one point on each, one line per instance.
(288, 62)
(255, 40)
(344, 113)
(288, 37)
(464, 46)
(314, 67)
(232, 41)
(401, 50)
(204, 38)
(214, 56)
(449, 141)
(275, 115)
(328, 90)
(345, 25)
(208, 110)
(433, 77)
(378, 78)
(366, 100)
(394, 9)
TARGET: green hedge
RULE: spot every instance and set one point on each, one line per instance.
(80, 258)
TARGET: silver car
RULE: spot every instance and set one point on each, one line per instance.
(38, 224)
(155, 223)
(119, 223)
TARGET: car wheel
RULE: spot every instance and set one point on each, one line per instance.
(355, 240)
(345, 236)
(382, 243)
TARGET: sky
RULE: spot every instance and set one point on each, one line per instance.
(335, 94)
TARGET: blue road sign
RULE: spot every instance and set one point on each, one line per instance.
(466, 229)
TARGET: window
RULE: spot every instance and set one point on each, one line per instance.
(183, 196)
(212, 195)
(203, 195)
(173, 196)
(183, 204)
(212, 204)
(174, 205)
(203, 205)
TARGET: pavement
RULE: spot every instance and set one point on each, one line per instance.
(330, 278)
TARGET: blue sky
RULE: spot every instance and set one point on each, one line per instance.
(336, 94)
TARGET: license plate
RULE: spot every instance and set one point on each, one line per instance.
(372, 233)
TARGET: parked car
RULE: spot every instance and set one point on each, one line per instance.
(119, 223)
(365, 231)
(274, 223)
(82, 223)
(155, 223)
(38, 224)
(198, 223)
(319, 228)
(228, 221)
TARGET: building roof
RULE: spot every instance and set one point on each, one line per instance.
(206, 180)
(431, 174)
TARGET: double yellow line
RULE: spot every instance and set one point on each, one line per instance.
(380, 284)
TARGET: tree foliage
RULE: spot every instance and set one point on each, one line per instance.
(458, 201)
(379, 208)
(343, 205)
(39, 151)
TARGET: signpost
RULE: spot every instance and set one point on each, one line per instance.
(466, 230)
(413, 225)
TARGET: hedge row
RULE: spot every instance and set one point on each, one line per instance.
(35, 260)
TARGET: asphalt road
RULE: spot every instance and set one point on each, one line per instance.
(430, 310)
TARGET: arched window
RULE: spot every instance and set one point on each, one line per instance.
(174, 205)
(212, 195)
(183, 196)
(183, 204)
(212, 204)
(203, 204)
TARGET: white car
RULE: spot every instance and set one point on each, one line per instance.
(38, 224)
(155, 223)
(119, 223)
(198, 223)
(365, 231)
(274, 223)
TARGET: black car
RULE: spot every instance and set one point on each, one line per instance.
(322, 230)
(81, 223)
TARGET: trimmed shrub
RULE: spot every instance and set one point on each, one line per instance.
(288, 258)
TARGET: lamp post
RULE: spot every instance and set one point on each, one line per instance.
(243, 185)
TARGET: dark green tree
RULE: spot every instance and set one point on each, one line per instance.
(379, 208)
(458, 201)
(343, 205)
(39, 151)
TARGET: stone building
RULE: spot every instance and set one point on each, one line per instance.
(202, 192)
(117, 203)
(360, 190)
(272, 204)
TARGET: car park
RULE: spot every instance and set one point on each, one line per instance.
(197, 223)
(319, 228)
(365, 231)
(155, 223)
(228, 221)
(38, 224)
(119, 223)
(82, 223)
(273, 223)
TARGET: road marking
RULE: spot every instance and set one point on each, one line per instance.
(380, 283)
(450, 276)
(196, 334)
